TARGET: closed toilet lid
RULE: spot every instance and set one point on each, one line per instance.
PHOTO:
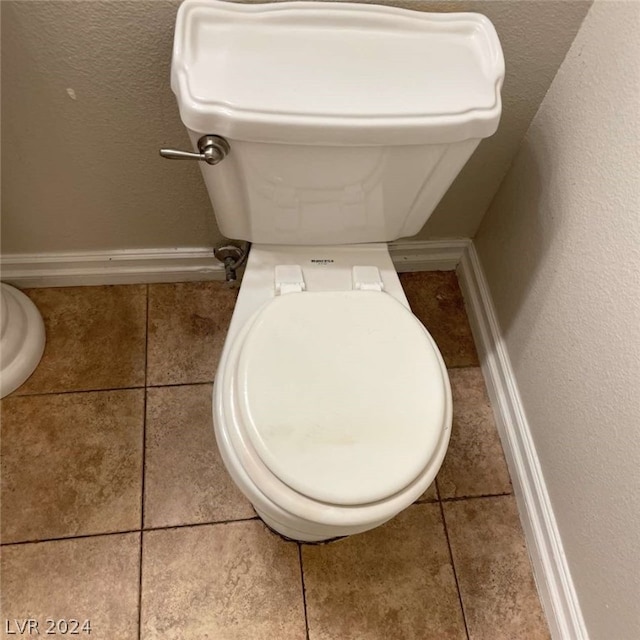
(342, 394)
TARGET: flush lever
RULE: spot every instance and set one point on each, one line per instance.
(213, 149)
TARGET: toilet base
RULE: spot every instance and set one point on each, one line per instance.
(288, 533)
(272, 527)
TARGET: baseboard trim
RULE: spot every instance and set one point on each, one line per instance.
(140, 266)
(551, 570)
(428, 255)
(110, 267)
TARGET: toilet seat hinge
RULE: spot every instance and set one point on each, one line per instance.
(367, 279)
(289, 279)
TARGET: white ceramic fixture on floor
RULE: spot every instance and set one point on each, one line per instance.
(22, 338)
(326, 130)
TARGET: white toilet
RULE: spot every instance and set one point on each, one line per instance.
(326, 130)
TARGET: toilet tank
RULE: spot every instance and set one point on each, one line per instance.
(346, 122)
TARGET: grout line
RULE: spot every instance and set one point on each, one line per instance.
(62, 538)
(304, 591)
(143, 386)
(488, 495)
(212, 523)
(125, 531)
(66, 393)
(146, 337)
(200, 524)
(140, 587)
(144, 457)
(464, 366)
(453, 566)
(180, 384)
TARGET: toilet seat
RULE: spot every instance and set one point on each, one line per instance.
(356, 354)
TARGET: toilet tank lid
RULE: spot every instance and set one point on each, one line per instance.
(339, 73)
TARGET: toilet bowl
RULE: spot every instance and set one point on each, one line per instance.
(332, 405)
(323, 131)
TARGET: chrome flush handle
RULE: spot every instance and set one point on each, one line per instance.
(213, 149)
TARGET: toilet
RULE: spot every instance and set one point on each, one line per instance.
(325, 130)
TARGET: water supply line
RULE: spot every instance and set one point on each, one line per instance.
(232, 257)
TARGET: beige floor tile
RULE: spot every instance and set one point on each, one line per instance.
(393, 582)
(435, 298)
(93, 579)
(430, 495)
(188, 324)
(233, 581)
(494, 573)
(474, 464)
(95, 339)
(71, 464)
(185, 479)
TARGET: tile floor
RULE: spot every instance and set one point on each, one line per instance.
(117, 509)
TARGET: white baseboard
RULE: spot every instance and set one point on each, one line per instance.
(428, 255)
(127, 266)
(550, 566)
(139, 266)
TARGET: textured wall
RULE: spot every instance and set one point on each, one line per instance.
(82, 171)
(560, 247)
(86, 104)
